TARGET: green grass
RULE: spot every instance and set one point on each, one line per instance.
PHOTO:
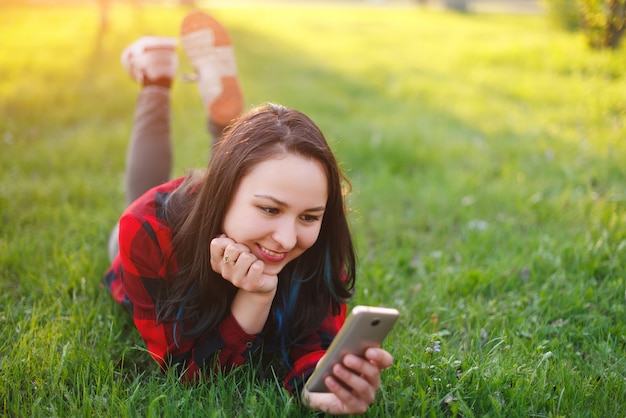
(486, 154)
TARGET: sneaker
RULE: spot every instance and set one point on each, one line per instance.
(151, 60)
(209, 48)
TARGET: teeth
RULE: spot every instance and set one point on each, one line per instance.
(270, 252)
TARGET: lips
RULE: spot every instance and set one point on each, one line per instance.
(270, 255)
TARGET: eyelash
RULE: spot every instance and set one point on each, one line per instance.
(274, 211)
(310, 218)
(269, 210)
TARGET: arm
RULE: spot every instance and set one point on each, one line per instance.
(144, 243)
(256, 290)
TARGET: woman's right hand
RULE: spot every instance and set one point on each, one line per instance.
(236, 263)
(354, 385)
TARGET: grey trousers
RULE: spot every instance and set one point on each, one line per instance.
(149, 156)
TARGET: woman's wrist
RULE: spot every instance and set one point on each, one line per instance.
(251, 309)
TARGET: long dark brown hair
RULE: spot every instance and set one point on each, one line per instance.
(197, 297)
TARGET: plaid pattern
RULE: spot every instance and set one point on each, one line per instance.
(136, 275)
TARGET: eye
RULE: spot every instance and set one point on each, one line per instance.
(269, 210)
(310, 218)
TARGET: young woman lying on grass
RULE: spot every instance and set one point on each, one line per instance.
(252, 255)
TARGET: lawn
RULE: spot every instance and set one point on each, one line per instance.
(486, 155)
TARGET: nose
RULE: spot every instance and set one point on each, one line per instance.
(286, 233)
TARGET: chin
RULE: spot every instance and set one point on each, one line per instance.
(273, 270)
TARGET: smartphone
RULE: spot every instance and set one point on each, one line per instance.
(365, 327)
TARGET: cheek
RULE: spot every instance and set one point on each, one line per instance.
(236, 224)
(241, 231)
(308, 238)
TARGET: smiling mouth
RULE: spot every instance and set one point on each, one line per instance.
(272, 255)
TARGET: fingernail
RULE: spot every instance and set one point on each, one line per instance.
(350, 360)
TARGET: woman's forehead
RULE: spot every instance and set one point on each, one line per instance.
(288, 177)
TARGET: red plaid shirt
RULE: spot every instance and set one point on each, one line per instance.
(138, 272)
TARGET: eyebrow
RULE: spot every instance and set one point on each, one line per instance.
(281, 203)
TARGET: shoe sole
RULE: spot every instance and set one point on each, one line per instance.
(200, 27)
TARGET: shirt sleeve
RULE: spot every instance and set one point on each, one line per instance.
(305, 357)
(144, 246)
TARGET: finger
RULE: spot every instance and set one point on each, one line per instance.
(216, 248)
(381, 358)
(246, 273)
(365, 385)
(352, 404)
(257, 282)
(237, 270)
(326, 402)
(362, 367)
(232, 252)
(219, 244)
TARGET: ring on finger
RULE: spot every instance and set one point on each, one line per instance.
(226, 259)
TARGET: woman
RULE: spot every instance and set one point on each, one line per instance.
(252, 255)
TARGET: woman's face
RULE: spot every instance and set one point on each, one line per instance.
(277, 209)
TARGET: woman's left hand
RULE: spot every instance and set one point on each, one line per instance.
(354, 385)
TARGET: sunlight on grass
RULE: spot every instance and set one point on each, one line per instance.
(486, 156)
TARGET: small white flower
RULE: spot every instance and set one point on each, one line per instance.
(478, 225)
(467, 200)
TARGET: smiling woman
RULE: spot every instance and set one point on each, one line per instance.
(252, 255)
(277, 210)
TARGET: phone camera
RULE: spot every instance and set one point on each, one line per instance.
(375, 322)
